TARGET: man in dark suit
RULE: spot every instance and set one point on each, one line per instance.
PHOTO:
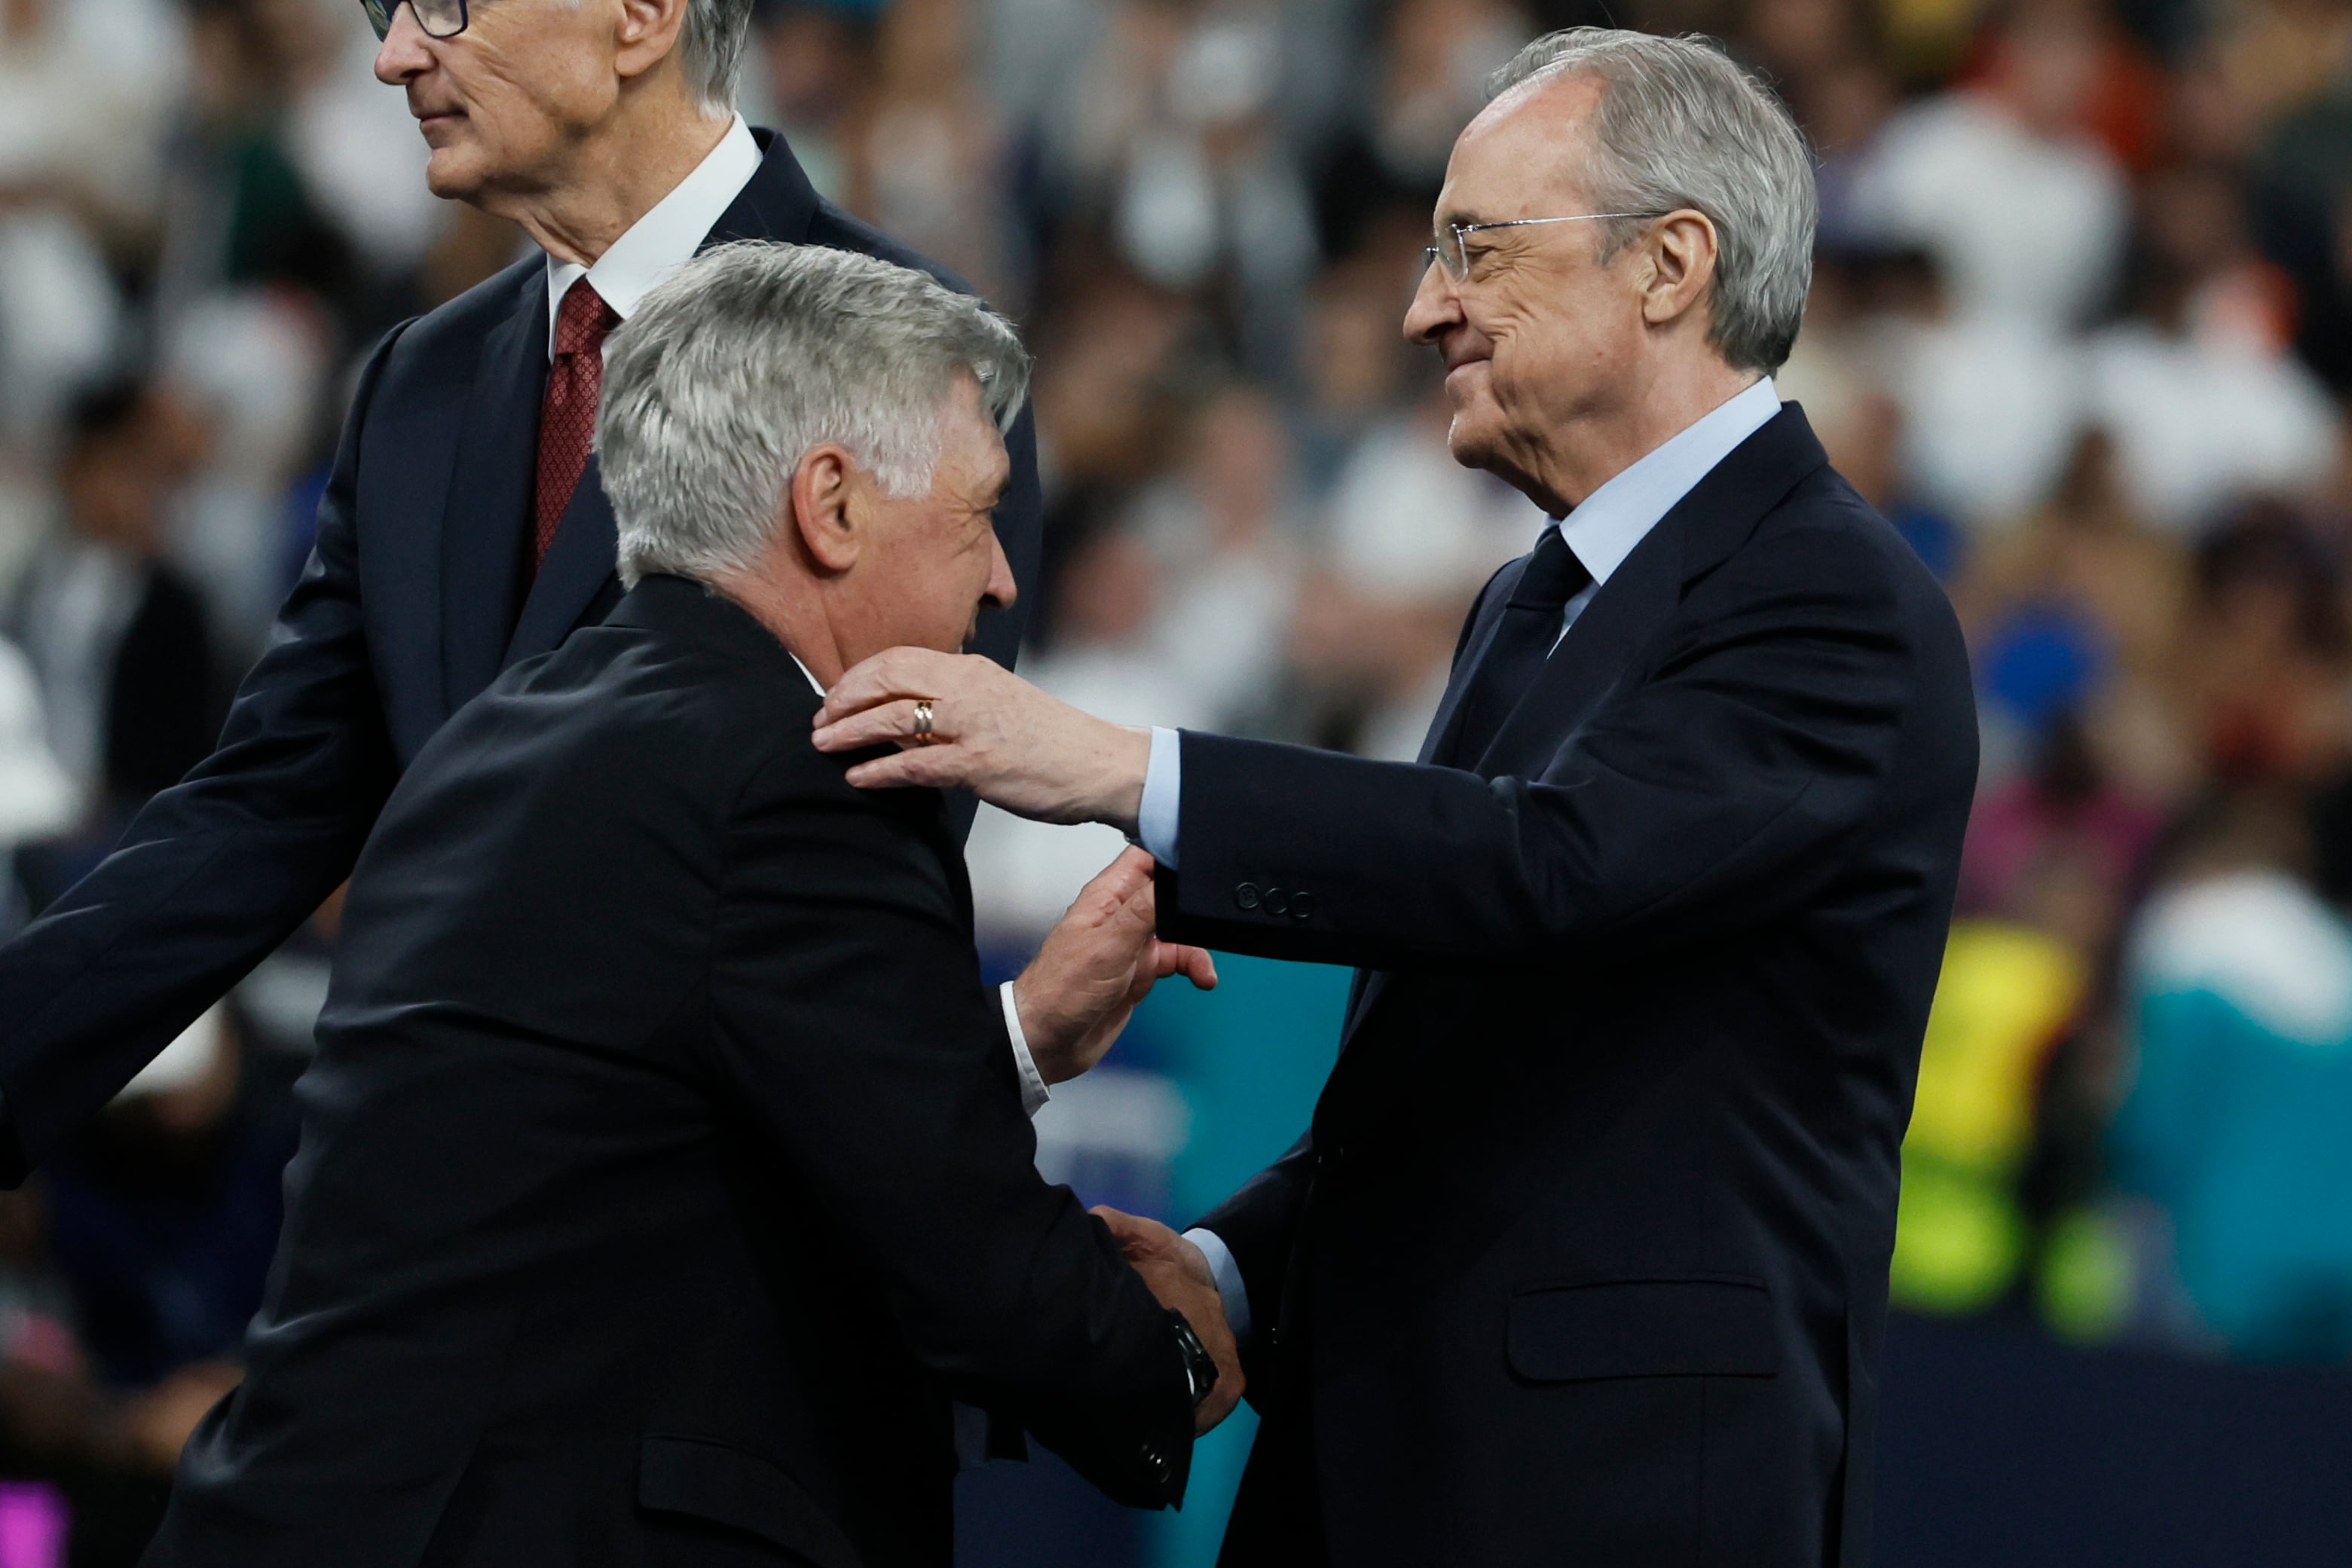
(1583, 1258)
(664, 1170)
(464, 528)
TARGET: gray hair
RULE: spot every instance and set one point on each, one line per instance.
(711, 49)
(753, 353)
(1682, 126)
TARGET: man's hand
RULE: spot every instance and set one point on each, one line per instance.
(1075, 996)
(1179, 1276)
(992, 732)
(159, 1421)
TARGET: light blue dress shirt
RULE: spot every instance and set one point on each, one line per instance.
(1603, 532)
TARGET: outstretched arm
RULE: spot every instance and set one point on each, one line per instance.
(851, 1021)
(219, 869)
(1723, 790)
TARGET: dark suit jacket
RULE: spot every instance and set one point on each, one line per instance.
(1584, 1258)
(663, 1167)
(413, 600)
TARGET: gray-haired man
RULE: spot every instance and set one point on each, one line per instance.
(663, 1168)
(1583, 1259)
(464, 528)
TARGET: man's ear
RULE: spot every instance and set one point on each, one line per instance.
(827, 509)
(1682, 257)
(646, 34)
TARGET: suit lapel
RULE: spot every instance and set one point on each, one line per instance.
(1368, 985)
(779, 204)
(1439, 743)
(581, 560)
(1695, 537)
(1598, 650)
(1630, 608)
(489, 496)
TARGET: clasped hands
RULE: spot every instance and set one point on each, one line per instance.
(1074, 998)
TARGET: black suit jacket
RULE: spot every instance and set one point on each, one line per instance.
(663, 1167)
(1584, 1258)
(413, 600)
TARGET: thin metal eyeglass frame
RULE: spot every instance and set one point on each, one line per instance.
(379, 14)
(1459, 270)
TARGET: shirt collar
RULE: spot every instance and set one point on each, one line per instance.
(1615, 518)
(667, 236)
(814, 684)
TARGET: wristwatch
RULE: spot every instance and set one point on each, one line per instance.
(1199, 1366)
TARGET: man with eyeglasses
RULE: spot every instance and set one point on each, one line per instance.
(1583, 1258)
(464, 527)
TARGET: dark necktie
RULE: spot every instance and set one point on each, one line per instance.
(1523, 640)
(567, 418)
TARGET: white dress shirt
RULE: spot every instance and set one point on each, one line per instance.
(664, 239)
(1603, 532)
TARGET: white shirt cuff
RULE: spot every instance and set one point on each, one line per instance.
(1034, 1092)
(1229, 1280)
(1163, 783)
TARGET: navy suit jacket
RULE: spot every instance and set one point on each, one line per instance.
(415, 599)
(1584, 1257)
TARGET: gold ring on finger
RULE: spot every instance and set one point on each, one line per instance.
(923, 732)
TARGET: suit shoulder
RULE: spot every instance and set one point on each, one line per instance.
(838, 230)
(625, 699)
(1825, 529)
(452, 332)
(791, 785)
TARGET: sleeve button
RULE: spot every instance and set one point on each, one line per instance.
(1276, 901)
(1246, 895)
(1302, 905)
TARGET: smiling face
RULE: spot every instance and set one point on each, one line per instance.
(504, 103)
(1541, 335)
(928, 564)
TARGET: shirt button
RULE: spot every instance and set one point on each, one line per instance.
(1276, 901)
(1302, 905)
(1246, 895)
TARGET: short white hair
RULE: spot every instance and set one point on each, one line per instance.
(754, 353)
(711, 49)
(1680, 125)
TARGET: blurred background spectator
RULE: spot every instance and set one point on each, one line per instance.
(2081, 329)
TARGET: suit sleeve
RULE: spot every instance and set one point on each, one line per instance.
(1259, 1223)
(851, 1021)
(216, 870)
(1259, 1226)
(1722, 792)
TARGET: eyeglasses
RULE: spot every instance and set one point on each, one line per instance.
(1447, 252)
(439, 18)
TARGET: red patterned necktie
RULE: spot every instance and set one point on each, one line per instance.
(567, 419)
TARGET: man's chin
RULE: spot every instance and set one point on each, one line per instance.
(1471, 444)
(453, 174)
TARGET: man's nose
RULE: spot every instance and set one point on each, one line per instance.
(1002, 589)
(402, 54)
(1436, 307)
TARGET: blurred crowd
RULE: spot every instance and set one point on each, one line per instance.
(2081, 327)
